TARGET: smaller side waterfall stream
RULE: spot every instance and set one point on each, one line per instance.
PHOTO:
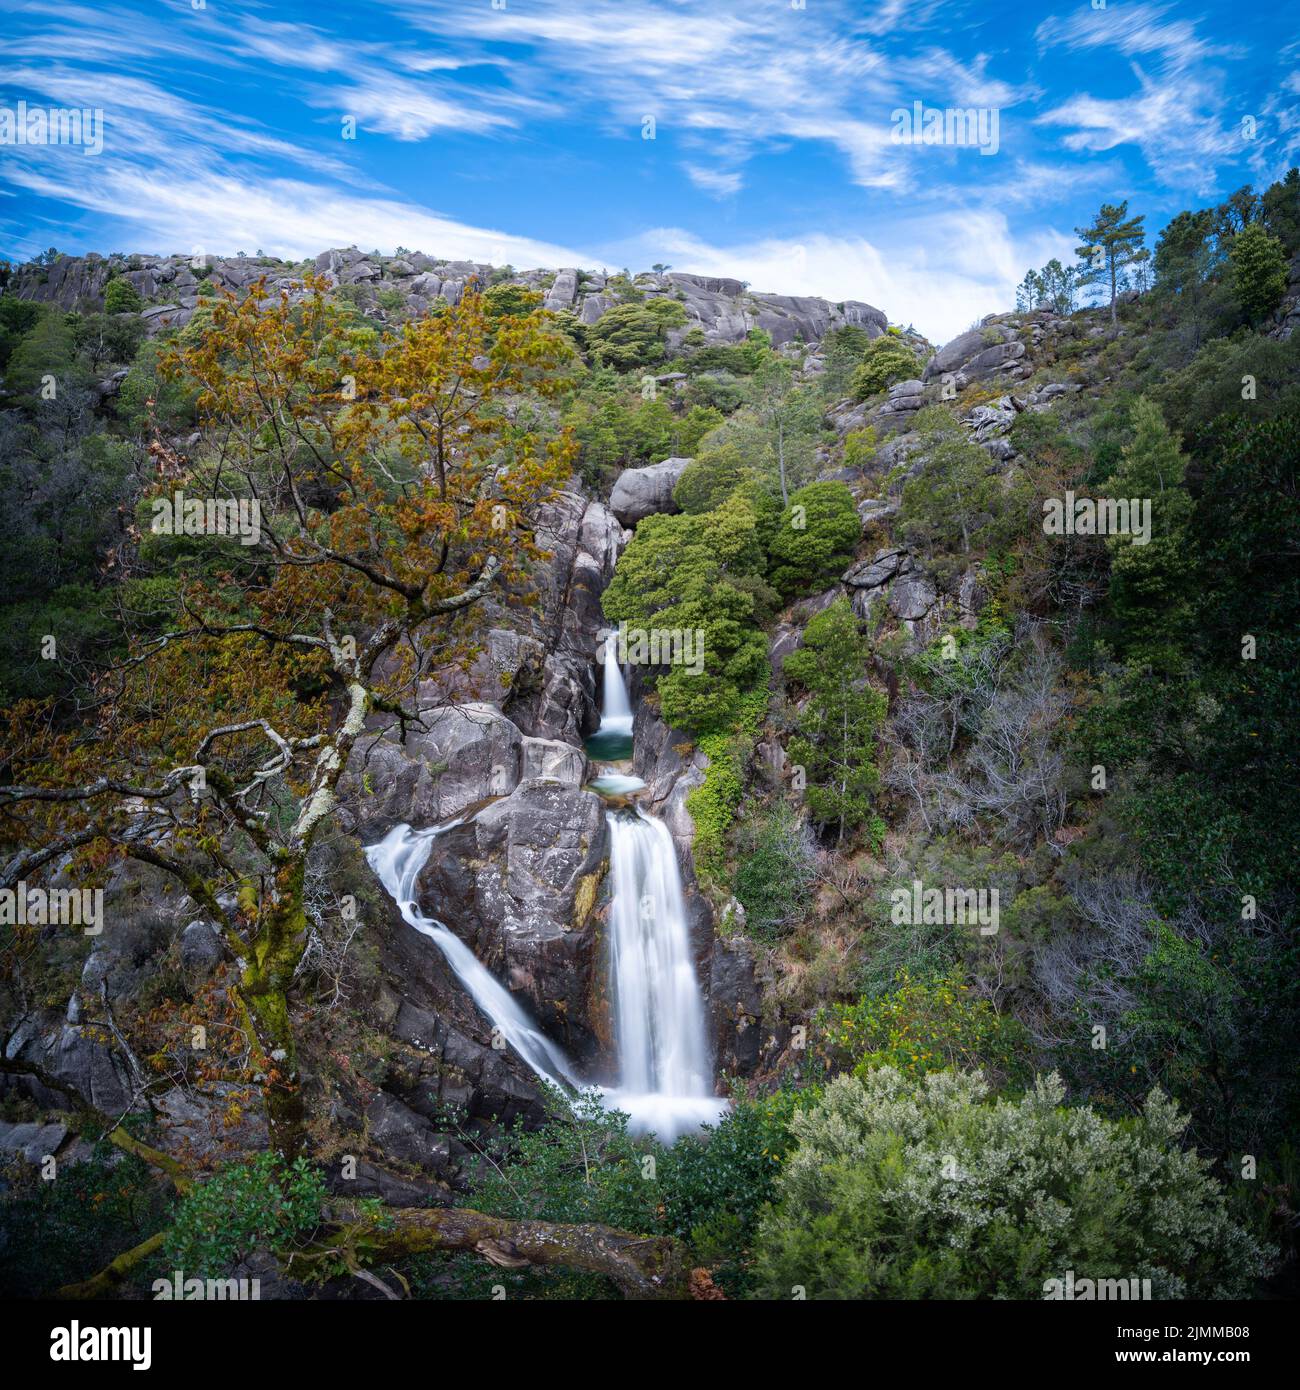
(397, 860)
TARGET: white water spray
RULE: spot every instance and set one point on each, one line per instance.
(616, 712)
(397, 860)
(658, 1009)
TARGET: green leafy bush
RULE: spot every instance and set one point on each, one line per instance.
(903, 1189)
(717, 1184)
(122, 297)
(814, 538)
(885, 361)
(925, 1025)
(836, 727)
(260, 1204)
(707, 481)
(956, 497)
(774, 874)
(631, 336)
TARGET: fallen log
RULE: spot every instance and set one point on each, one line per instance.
(105, 1283)
(640, 1267)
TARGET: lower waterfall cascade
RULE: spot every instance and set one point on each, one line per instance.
(660, 1027)
(659, 1020)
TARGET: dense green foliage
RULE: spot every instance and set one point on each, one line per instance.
(883, 362)
(956, 497)
(814, 538)
(836, 726)
(61, 1231)
(122, 297)
(262, 1204)
(708, 1190)
(775, 872)
(630, 336)
(925, 1025)
(699, 574)
(1258, 272)
(902, 1189)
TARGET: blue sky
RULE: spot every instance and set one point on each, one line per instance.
(512, 131)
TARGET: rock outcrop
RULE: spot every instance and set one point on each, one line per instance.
(519, 884)
(725, 310)
(641, 492)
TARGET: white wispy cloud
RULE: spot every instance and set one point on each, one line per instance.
(284, 217)
(754, 75)
(722, 183)
(1177, 116)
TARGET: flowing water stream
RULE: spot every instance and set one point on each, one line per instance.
(397, 860)
(665, 1068)
(663, 1052)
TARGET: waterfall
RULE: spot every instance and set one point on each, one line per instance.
(658, 1009)
(397, 860)
(616, 713)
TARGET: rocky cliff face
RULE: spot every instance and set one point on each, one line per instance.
(411, 283)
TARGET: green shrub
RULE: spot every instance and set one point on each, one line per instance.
(902, 1189)
(717, 1184)
(774, 873)
(707, 481)
(836, 727)
(122, 297)
(1259, 271)
(506, 301)
(923, 1026)
(631, 336)
(712, 805)
(17, 318)
(885, 361)
(956, 497)
(814, 538)
(258, 1205)
(583, 1166)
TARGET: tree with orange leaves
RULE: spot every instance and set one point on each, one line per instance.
(390, 484)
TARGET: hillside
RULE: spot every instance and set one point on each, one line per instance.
(973, 824)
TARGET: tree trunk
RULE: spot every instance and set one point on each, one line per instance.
(780, 461)
(268, 1012)
(642, 1267)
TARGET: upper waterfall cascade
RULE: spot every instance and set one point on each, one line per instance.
(616, 712)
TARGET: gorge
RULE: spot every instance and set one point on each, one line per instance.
(662, 1060)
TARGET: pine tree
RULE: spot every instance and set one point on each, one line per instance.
(835, 742)
(1148, 590)
(1112, 242)
(1259, 272)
